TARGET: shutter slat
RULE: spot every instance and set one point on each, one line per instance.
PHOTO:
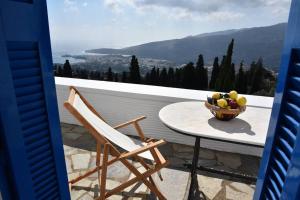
(286, 146)
(42, 170)
(282, 156)
(28, 90)
(37, 128)
(40, 157)
(271, 193)
(24, 64)
(33, 113)
(49, 194)
(291, 122)
(293, 96)
(33, 122)
(21, 45)
(293, 110)
(36, 136)
(22, 55)
(280, 167)
(275, 188)
(24, 73)
(45, 185)
(36, 166)
(44, 175)
(291, 137)
(38, 150)
(31, 106)
(277, 177)
(28, 81)
(295, 82)
(34, 147)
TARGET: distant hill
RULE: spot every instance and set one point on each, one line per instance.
(250, 44)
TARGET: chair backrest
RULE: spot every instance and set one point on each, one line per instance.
(89, 117)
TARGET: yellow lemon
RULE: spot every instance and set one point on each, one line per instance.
(222, 103)
(241, 101)
(233, 94)
(216, 95)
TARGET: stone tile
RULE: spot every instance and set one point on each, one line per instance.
(70, 150)
(239, 191)
(180, 148)
(230, 160)
(79, 129)
(84, 184)
(184, 155)
(86, 197)
(207, 163)
(73, 175)
(177, 162)
(71, 136)
(207, 154)
(118, 172)
(69, 165)
(209, 186)
(81, 161)
(76, 194)
(174, 184)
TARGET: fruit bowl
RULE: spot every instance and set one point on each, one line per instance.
(226, 106)
(224, 114)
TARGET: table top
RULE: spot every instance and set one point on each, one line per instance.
(194, 119)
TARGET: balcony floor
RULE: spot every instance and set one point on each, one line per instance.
(80, 156)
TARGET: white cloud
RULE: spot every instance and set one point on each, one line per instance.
(70, 5)
(199, 9)
(85, 4)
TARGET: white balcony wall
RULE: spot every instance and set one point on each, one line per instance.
(120, 102)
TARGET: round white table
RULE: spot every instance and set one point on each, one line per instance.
(193, 119)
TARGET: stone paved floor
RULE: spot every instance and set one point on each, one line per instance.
(80, 155)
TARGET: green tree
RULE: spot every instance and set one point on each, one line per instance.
(124, 77)
(163, 77)
(241, 80)
(225, 81)
(153, 77)
(109, 75)
(188, 76)
(214, 73)
(201, 76)
(134, 70)
(171, 77)
(257, 82)
(67, 69)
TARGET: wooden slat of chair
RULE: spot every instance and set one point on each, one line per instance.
(160, 162)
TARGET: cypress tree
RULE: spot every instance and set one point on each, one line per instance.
(171, 77)
(257, 78)
(188, 76)
(199, 76)
(116, 77)
(241, 80)
(225, 81)
(214, 73)
(153, 76)
(178, 78)
(59, 71)
(67, 69)
(124, 77)
(134, 70)
(163, 77)
(109, 75)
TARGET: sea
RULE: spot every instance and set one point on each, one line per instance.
(59, 57)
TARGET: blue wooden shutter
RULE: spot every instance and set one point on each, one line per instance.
(34, 165)
(279, 176)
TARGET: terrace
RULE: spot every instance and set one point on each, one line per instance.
(119, 102)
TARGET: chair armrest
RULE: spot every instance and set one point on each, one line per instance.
(129, 122)
(143, 149)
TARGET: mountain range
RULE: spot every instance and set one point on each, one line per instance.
(250, 44)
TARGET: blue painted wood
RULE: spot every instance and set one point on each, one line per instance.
(279, 175)
(30, 126)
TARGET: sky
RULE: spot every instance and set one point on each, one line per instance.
(77, 25)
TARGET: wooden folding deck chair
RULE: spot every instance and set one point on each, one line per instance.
(106, 137)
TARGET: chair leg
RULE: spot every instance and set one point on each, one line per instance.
(152, 187)
(103, 172)
(98, 158)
